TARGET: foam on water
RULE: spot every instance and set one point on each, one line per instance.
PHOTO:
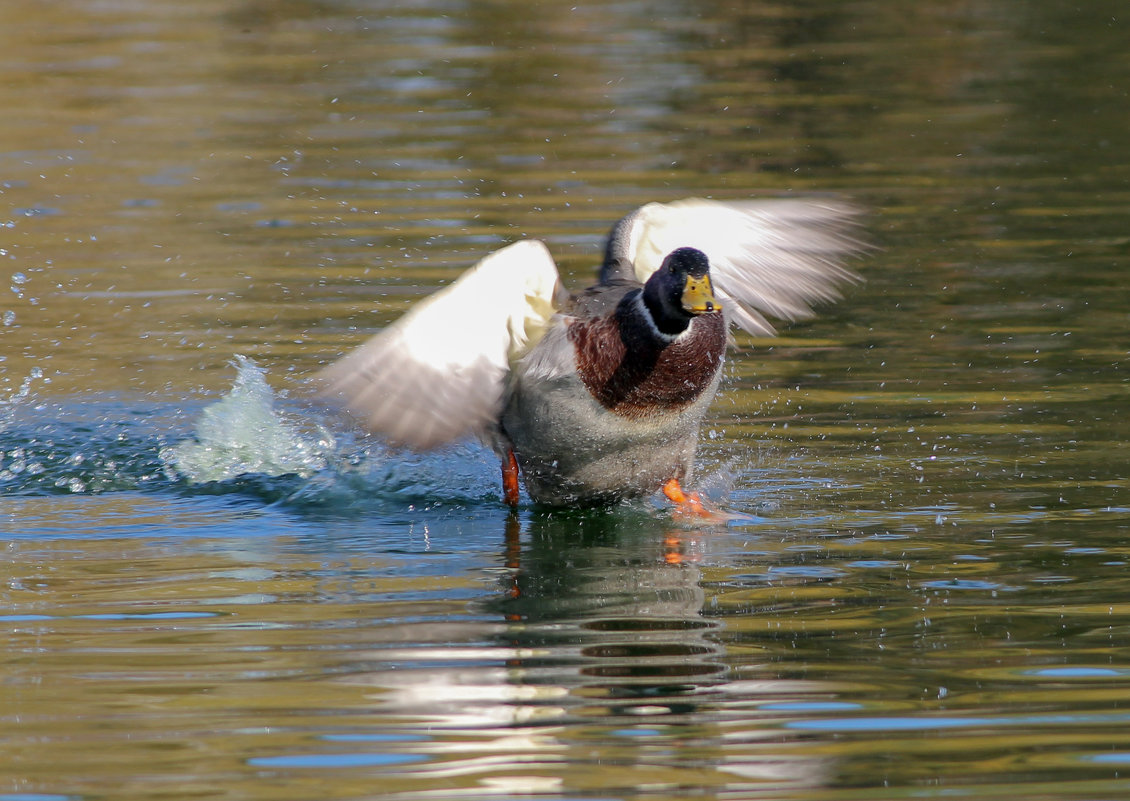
(244, 433)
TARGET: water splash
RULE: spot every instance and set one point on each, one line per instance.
(9, 405)
(245, 434)
(248, 444)
(52, 448)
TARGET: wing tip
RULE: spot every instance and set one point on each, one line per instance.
(777, 256)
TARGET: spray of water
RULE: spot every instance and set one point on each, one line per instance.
(9, 405)
(244, 433)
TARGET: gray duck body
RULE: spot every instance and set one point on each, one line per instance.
(607, 407)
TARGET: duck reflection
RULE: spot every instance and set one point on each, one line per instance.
(614, 599)
(594, 647)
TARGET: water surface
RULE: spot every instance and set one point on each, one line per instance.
(212, 591)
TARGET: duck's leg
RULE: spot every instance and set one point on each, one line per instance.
(510, 478)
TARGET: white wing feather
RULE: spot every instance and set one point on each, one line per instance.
(773, 256)
(440, 371)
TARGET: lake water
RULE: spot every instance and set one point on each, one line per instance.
(210, 591)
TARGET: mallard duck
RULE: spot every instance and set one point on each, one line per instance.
(596, 396)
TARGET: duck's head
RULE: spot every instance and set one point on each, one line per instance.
(680, 290)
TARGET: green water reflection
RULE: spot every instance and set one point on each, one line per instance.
(925, 591)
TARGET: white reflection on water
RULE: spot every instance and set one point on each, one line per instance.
(596, 635)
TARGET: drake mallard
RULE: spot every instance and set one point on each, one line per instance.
(596, 396)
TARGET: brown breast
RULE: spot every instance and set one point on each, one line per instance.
(634, 372)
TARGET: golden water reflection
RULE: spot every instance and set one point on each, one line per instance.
(580, 655)
(923, 594)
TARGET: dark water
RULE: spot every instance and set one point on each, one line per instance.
(211, 592)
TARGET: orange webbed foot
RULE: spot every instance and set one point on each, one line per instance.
(691, 506)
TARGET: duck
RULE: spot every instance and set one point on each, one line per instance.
(597, 396)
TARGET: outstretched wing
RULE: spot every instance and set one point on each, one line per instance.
(774, 257)
(440, 371)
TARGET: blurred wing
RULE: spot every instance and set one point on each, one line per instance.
(774, 257)
(440, 371)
